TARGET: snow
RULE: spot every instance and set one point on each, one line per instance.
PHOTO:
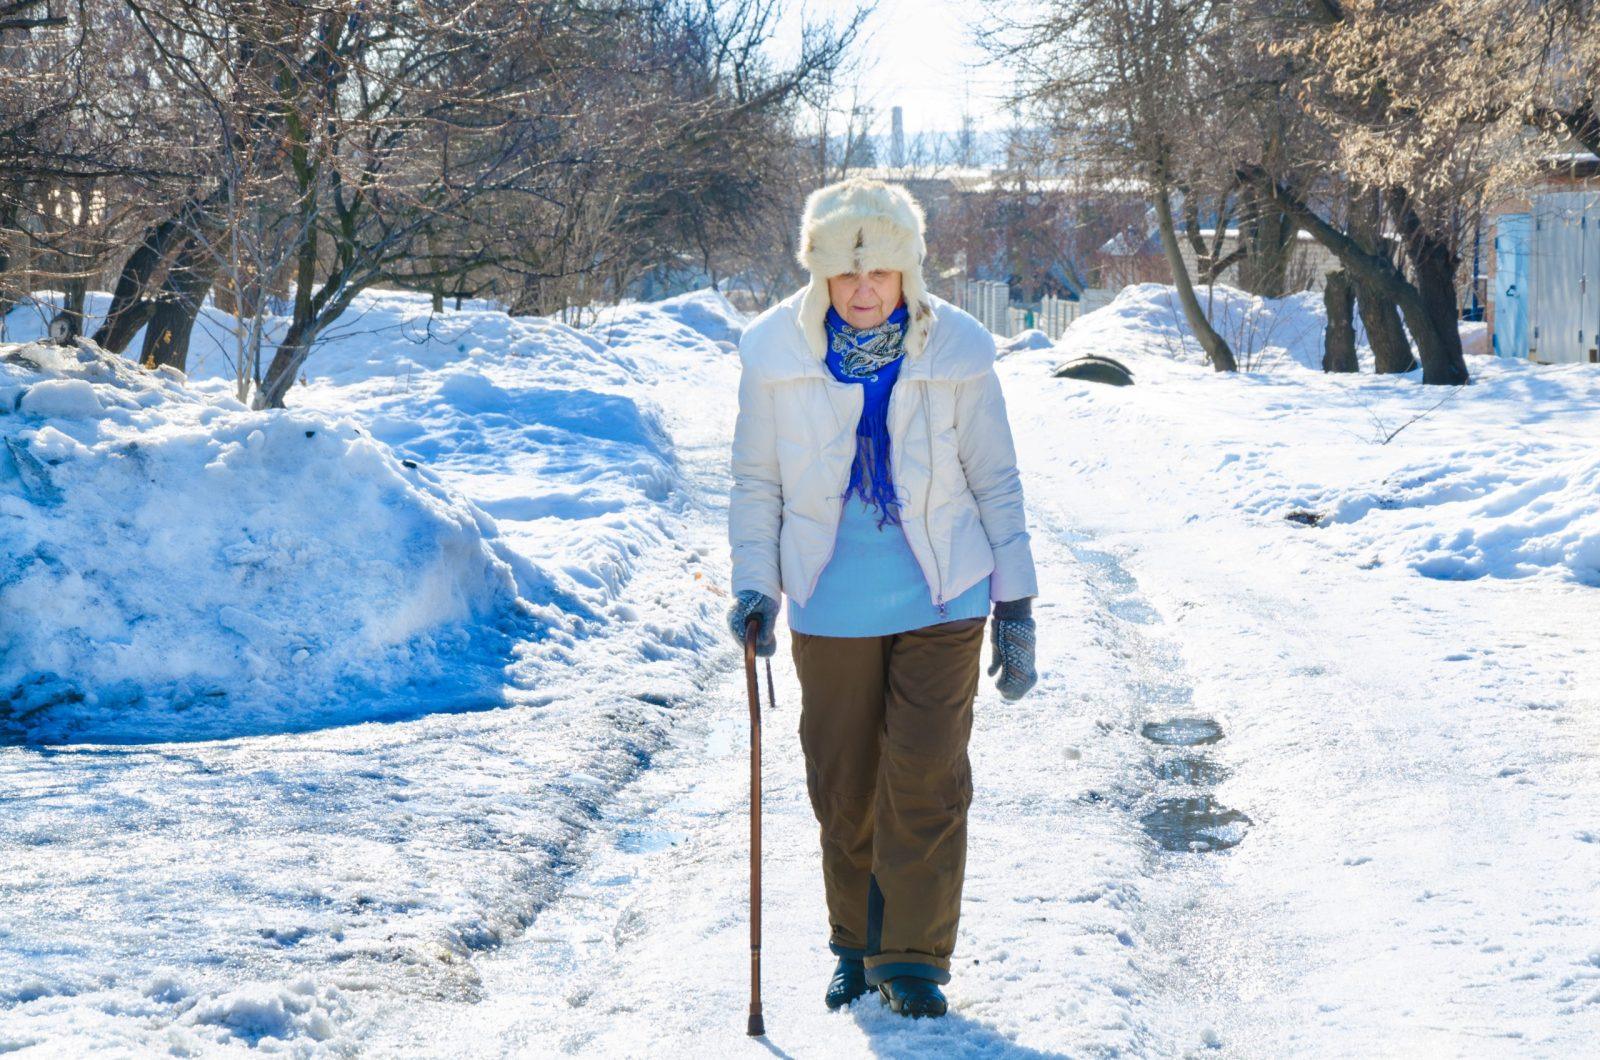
(193, 569)
(1310, 770)
(1031, 339)
(1507, 492)
(1266, 334)
(428, 678)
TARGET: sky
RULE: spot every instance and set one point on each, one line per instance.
(932, 68)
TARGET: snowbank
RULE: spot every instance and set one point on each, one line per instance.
(183, 567)
(1031, 339)
(558, 552)
(1475, 512)
(1498, 479)
(707, 312)
(193, 569)
(1266, 334)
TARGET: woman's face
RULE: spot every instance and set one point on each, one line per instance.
(865, 299)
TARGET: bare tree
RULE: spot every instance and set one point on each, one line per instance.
(65, 160)
(1429, 140)
(1124, 82)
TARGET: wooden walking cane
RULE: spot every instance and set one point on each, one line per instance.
(752, 630)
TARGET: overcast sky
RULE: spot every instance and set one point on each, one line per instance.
(919, 55)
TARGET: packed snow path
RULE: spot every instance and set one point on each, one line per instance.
(1262, 803)
(1277, 792)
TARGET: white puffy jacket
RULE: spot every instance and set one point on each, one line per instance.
(951, 457)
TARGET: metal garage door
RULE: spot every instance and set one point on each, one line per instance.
(1565, 307)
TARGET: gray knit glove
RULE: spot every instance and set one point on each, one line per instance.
(755, 602)
(1011, 638)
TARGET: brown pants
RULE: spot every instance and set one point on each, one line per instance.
(884, 723)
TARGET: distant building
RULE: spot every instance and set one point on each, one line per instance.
(1038, 234)
(1024, 249)
(1309, 264)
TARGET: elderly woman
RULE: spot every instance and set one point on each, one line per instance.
(875, 484)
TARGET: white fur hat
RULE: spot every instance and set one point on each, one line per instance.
(860, 224)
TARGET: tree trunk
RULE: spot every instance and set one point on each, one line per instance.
(1269, 238)
(130, 310)
(286, 362)
(313, 314)
(1433, 319)
(1339, 340)
(183, 292)
(1217, 350)
(437, 286)
(75, 293)
(1432, 324)
(1391, 349)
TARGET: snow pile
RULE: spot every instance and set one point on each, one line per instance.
(1495, 480)
(1266, 334)
(1473, 513)
(254, 1014)
(179, 566)
(193, 569)
(708, 312)
(683, 322)
(275, 891)
(554, 431)
(1031, 339)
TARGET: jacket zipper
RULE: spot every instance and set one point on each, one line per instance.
(927, 497)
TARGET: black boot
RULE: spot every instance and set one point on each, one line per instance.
(911, 996)
(848, 983)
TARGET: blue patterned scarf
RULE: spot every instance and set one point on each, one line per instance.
(870, 357)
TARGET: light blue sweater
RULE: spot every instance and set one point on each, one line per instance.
(872, 585)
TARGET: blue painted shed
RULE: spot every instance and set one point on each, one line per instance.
(1513, 241)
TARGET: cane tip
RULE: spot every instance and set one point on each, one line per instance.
(757, 1028)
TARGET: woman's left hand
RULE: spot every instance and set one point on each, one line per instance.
(1011, 640)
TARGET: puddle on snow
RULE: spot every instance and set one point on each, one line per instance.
(1182, 732)
(1120, 589)
(1159, 692)
(1195, 771)
(1188, 824)
(1133, 609)
(1196, 825)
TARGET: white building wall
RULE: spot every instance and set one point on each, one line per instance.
(1308, 268)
